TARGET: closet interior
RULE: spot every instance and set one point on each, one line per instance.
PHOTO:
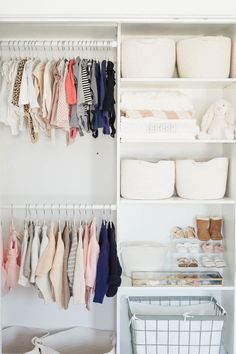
(88, 171)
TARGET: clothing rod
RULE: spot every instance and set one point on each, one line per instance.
(35, 206)
(69, 44)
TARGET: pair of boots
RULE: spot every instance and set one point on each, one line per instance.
(209, 228)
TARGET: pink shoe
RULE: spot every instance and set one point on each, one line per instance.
(219, 248)
(207, 247)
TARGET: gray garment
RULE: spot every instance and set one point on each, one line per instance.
(72, 256)
(27, 264)
(94, 86)
(65, 280)
(74, 120)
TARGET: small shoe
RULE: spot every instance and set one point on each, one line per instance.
(189, 232)
(193, 248)
(181, 248)
(219, 248)
(207, 262)
(183, 262)
(219, 262)
(215, 228)
(178, 232)
(207, 247)
(202, 229)
(193, 263)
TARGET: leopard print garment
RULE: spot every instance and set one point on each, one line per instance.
(17, 83)
(29, 121)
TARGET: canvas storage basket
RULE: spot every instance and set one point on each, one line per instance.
(156, 129)
(147, 180)
(78, 340)
(204, 57)
(178, 324)
(202, 180)
(137, 53)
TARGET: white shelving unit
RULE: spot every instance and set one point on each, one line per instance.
(99, 181)
(141, 220)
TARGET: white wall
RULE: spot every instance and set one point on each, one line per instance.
(121, 7)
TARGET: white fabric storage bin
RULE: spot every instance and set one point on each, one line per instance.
(158, 129)
(137, 53)
(78, 340)
(201, 180)
(204, 57)
(142, 256)
(147, 180)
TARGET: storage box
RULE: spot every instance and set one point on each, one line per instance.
(177, 278)
(137, 256)
(158, 129)
(148, 57)
(181, 327)
(202, 180)
(204, 57)
(147, 180)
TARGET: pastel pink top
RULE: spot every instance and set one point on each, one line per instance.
(92, 257)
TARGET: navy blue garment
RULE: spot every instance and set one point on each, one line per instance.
(115, 269)
(109, 100)
(102, 276)
(101, 117)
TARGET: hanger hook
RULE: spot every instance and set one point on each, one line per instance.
(66, 211)
(52, 209)
(36, 210)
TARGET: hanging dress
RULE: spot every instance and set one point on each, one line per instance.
(79, 281)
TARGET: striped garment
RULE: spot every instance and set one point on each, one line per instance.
(86, 83)
(72, 257)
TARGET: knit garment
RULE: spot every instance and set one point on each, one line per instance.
(27, 264)
(79, 281)
(72, 256)
(35, 253)
(102, 266)
(46, 258)
(115, 269)
(65, 280)
(56, 271)
(43, 282)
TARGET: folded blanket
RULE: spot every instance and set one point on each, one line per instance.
(146, 113)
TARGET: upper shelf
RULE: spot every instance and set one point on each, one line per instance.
(177, 82)
(177, 200)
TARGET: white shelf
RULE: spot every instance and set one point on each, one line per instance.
(178, 82)
(174, 141)
(177, 200)
(148, 290)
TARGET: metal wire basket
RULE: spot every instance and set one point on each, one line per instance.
(175, 333)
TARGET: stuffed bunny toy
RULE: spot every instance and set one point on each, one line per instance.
(219, 121)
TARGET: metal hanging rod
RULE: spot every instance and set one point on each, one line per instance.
(67, 44)
(59, 206)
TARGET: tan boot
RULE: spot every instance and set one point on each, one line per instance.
(203, 229)
(215, 228)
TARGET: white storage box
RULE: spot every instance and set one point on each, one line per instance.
(138, 54)
(142, 256)
(201, 180)
(204, 57)
(158, 129)
(147, 180)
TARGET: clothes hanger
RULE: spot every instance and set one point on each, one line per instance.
(74, 215)
(44, 213)
(59, 219)
(36, 214)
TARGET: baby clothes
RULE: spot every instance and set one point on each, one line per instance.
(3, 272)
(79, 281)
(72, 256)
(27, 263)
(92, 259)
(102, 265)
(57, 270)
(47, 256)
(115, 269)
(12, 259)
(85, 245)
(42, 281)
(35, 249)
(24, 281)
(65, 280)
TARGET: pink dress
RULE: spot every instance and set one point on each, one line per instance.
(12, 258)
(4, 274)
